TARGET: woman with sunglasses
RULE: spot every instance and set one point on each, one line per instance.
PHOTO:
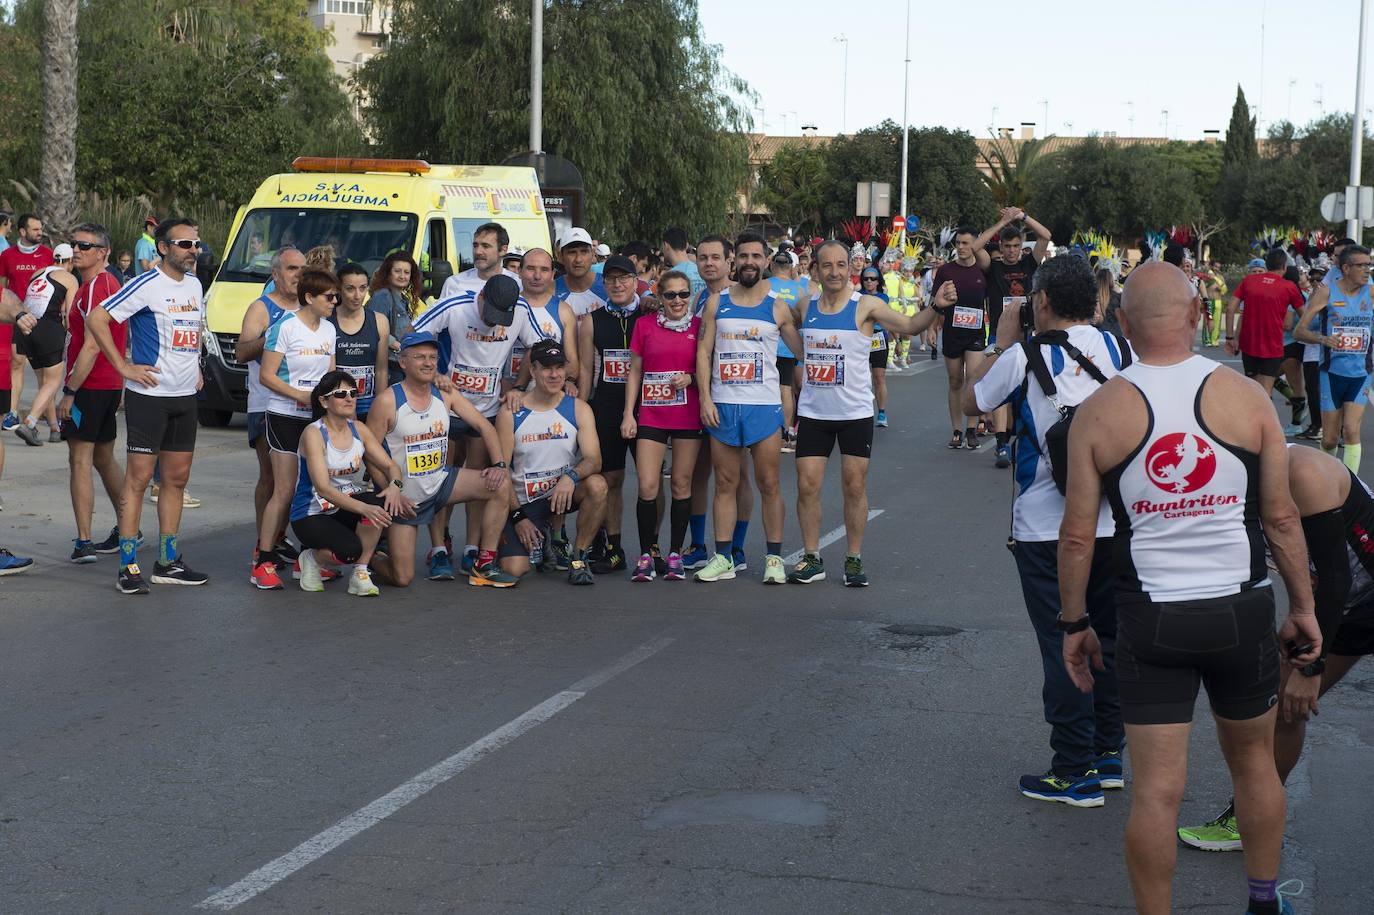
(871, 283)
(297, 353)
(662, 361)
(332, 516)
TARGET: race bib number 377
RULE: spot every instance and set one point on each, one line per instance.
(825, 370)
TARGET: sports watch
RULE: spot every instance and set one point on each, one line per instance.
(1068, 627)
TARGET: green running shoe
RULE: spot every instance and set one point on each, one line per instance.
(808, 571)
(854, 576)
(720, 568)
(774, 572)
(1220, 834)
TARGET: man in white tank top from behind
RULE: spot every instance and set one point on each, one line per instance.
(836, 404)
(1192, 459)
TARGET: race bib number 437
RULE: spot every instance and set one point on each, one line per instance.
(741, 368)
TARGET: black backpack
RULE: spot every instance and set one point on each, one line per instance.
(1057, 435)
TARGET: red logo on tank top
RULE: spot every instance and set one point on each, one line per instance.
(1180, 462)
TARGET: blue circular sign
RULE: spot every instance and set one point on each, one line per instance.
(913, 223)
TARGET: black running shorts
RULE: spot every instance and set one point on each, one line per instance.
(93, 416)
(284, 433)
(1255, 365)
(1165, 651)
(954, 343)
(159, 423)
(817, 437)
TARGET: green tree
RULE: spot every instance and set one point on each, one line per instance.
(793, 186)
(58, 175)
(1240, 146)
(632, 95)
(1006, 164)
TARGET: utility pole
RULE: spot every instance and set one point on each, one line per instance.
(1165, 112)
(537, 76)
(1046, 103)
(1321, 100)
(1130, 119)
(906, 91)
(1352, 223)
(844, 104)
(1291, 84)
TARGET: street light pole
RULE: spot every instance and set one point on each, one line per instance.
(537, 76)
(906, 91)
(844, 104)
(1352, 223)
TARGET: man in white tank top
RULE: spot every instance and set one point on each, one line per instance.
(836, 404)
(1192, 459)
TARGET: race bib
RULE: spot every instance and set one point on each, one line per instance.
(186, 336)
(476, 380)
(1011, 301)
(658, 390)
(304, 384)
(425, 458)
(1350, 338)
(364, 376)
(968, 318)
(517, 359)
(740, 368)
(615, 365)
(323, 506)
(539, 483)
(825, 370)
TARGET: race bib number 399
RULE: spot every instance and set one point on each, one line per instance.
(740, 368)
(968, 318)
(1350, 338)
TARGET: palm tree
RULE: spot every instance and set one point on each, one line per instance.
(57, 179)
(1010, 162)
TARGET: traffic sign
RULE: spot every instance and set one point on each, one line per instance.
(1333, 207)
(913, 223)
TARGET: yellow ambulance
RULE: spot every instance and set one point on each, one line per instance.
(365, 209)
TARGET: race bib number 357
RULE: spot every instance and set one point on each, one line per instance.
(968, 318)
(741, 368)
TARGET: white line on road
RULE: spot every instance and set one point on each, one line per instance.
(828, 539)
(323, 843)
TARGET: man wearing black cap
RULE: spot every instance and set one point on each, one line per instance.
(604, 354)
(476, 332)
(554, 462)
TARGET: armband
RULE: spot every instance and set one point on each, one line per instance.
(517, 516)
(571, 474)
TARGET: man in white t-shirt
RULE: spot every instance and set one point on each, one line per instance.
(490, 243)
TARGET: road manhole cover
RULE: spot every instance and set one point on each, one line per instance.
(920, 630)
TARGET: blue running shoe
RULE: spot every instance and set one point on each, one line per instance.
(1284, 891)
(881, 419)
(440, 566)
(1109, 771)
(737, 555)
(467, 564)
(696, 557)
(11, 564)
(10, 421)
(1077, 791)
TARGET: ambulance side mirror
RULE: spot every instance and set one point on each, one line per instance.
(438, 274)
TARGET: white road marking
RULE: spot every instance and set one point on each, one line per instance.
(828, 539)
(318, 846)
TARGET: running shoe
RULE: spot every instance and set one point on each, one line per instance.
(675, 571)
(1311, 433)
(310, 572)
(933, 353)
(1299, 413)
(1109, 771)
(326, 574)
(83, 551)
(1077, 791)
(579, 573)
(176, 572)
(492, 575)
(286, 550)
(29, 434)
(613, 560)
(1221, 834)
(130, 581)
(1003, 455)
(881, 419)
(737, 557)
(153, 492)
(1283, 892)
(660, 564)
(54, 436)
(111, 543)
(644, 569)
(10, 421)
(1292, 431)
(558, 553)
(720, 568)
(441, 567)
(360, 584)
(774, 572)
(11, 564)
(264, 576)
(789, 442)
(188, 500)
(467, 564)
(956, 440)
(696, 557)
(854, 575)
(810, 569)
(971, 439)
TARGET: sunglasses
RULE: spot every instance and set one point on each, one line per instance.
(669, 296)
(186, 244)
(331, 297)
(85, 245)
(342, 394)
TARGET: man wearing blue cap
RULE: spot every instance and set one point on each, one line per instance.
(412, 419)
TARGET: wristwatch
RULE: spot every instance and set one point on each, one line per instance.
(67, 391)
(994, 350)
(1068, 627)
(398, 484)
(1314, 669)
(501, 464)
(571, 474)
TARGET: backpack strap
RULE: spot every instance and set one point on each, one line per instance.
(1123, 349)
(1035, 364)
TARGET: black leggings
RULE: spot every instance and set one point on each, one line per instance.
(336, 532)
(1311, 375)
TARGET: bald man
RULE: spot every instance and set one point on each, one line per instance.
(1191, 458)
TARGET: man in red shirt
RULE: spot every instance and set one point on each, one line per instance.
(91, 393)
(1267, 297)
(18, 263)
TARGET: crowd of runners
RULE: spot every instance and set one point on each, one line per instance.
(525, 388)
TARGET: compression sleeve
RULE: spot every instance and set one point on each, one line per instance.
(1325, 534)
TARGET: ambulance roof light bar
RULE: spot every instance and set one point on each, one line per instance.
(349, 165)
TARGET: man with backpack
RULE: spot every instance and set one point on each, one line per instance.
(1065, 363)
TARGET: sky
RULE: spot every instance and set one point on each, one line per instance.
(1100, 67)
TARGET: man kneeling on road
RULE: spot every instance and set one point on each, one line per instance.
(555, 456)
(412, 420)
(1085, 730)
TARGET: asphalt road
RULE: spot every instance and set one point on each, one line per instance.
(668, 747)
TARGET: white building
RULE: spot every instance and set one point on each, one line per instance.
(360, 31)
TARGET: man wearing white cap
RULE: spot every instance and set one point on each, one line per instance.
(490, 242)
(579, 285)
